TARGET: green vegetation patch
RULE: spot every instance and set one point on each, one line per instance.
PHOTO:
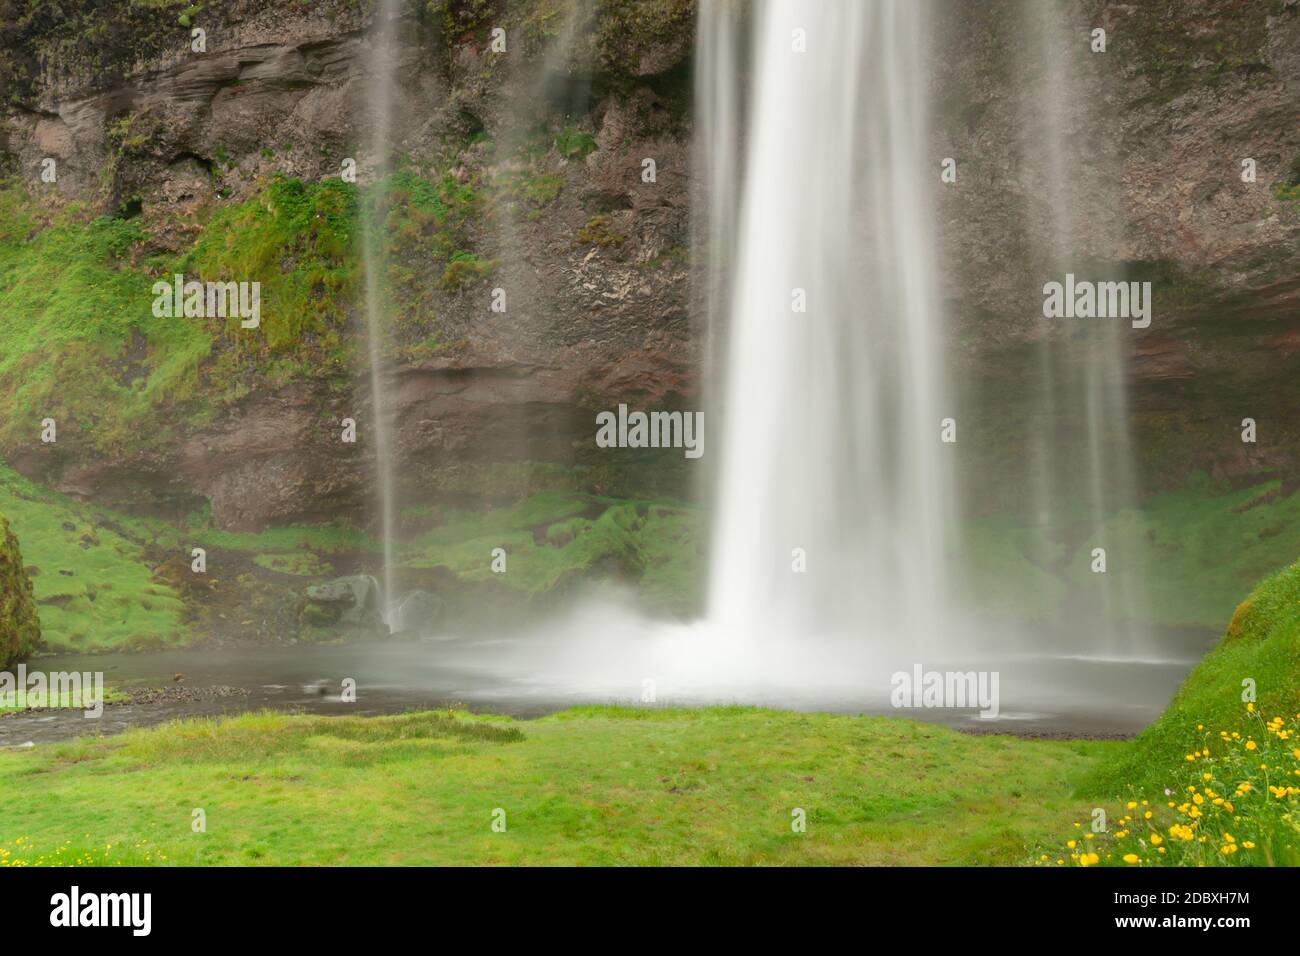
(93, 585)
(298, 240)
(1205, 546)
(552, 539)
(1260, 652)
(1198, 549)
(20, 629)
(713, 786)
(302, 563)
(78, 341)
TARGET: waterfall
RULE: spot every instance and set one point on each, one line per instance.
(383, 69)
(831, 451)
(1080, 449)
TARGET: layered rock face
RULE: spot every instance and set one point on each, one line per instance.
(1152, 132)
(596, 260)
(20, 631)
(551, 138)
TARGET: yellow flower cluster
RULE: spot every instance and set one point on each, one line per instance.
(1243, 782)
(23, 852)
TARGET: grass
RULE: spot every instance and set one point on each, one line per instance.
(113, 599)
(93, 585)
(553, 538)
(111, 695)
(1262, 646)
(1205, 546)
(298, 240)
(594, 785)
(78, 342)
(1198, 549)
(1216, 779)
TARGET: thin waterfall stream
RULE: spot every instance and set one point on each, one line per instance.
(380, 100)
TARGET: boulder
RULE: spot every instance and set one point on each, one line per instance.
(20, 630)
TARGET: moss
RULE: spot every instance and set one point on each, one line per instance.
(463, 270)
(76, 311)
(296, 239)
(424, 220)
(1203, 546)
(627, 29)
(597, 232)
(574, 144)
(553, 540)
(457, 20)
(1287, 192)
(93, 586)
(1262, 647)
(299, 563)
(84, 348)
(20, 630)
(529, 186)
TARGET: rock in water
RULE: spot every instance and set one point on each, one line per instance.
(20, 630)
(353, 601)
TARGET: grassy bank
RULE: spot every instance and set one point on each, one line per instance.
(598, 785)
(1216, 779)
(1251, 677)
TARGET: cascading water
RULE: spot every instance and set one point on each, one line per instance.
(383, 68)
(834, 540)
(1081, 473)
(834, 388)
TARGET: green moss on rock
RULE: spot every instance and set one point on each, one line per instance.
(20, 630)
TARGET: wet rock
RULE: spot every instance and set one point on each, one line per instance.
(175, 694)
(354, 602)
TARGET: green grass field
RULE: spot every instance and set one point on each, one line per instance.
(598, 785)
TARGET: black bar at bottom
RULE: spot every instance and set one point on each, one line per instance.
(328, 907)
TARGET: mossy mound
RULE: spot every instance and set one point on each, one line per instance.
(1259, 654)
(20, 631)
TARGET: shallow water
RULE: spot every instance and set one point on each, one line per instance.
(538, 673)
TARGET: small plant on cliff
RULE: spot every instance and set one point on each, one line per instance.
(463, 270)
(574, 144)
(597, 232)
